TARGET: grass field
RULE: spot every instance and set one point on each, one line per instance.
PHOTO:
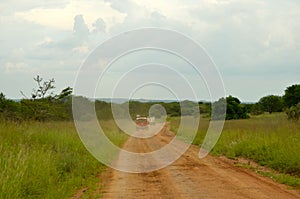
(270, 140)
(47, 160)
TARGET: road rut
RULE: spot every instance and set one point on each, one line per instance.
(189, 177)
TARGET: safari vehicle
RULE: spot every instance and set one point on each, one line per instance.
(151, 120)
(141, 122)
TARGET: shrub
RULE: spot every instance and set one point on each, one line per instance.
(293, 113)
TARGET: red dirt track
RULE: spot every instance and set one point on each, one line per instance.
(190, 177)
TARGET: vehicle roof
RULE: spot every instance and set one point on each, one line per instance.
(141, 118)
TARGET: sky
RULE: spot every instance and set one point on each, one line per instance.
(255, 44)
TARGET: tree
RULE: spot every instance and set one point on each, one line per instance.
(65, 93)
(43, 88)
(292, 95)
(189, 108)
(271, 103)
(9, 109)
(2, 102)
(44, 104)
(218, 109)
(257, 109)
(157, 111)
(234, 109)
(173, 109)
(293, 112)
(204, 107)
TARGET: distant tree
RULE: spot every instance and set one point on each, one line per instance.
(104, 110)
(44, 104)
(271, 103)
(292, 95)
(2, 104)
(65, 93)
(293, 112)
(9, 109)
(83, 108)
(172, 108)
(234, 109)
(138, 108)
(218, 109)
(44, 87)
(2, 101)
(157, 111)
(248, 107)
(189, 108)
(204, 107)
(257, 109)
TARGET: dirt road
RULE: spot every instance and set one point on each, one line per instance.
(190, 177)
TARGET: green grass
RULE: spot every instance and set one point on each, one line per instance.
(269, 140)
(47, 160)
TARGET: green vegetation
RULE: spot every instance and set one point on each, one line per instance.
(292, 102)
(47, 160)
(43, 105)
(292, 95)
(271, 103)
(173, 109)
(293, 112)
(234, 109)
(41, 155)
(270, 140)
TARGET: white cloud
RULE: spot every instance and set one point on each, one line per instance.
(62, 18)
(45, 42)
(80, 28)
(99, 26)
(10, 67)
(250, 37)
(82, 49)
(19, 52)
(11, 6)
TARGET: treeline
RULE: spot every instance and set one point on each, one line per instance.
(59, 107)
(235, 109)
(289, 103)
(158, 109)
(43, 105)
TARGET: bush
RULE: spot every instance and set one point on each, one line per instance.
(271, 103)
(292, 96)
(234, 109)
(293, 113)
(257, 109)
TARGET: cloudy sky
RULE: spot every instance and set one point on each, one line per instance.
(254, 43)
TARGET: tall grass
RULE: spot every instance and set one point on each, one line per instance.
(45, 160)
(270, 140)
